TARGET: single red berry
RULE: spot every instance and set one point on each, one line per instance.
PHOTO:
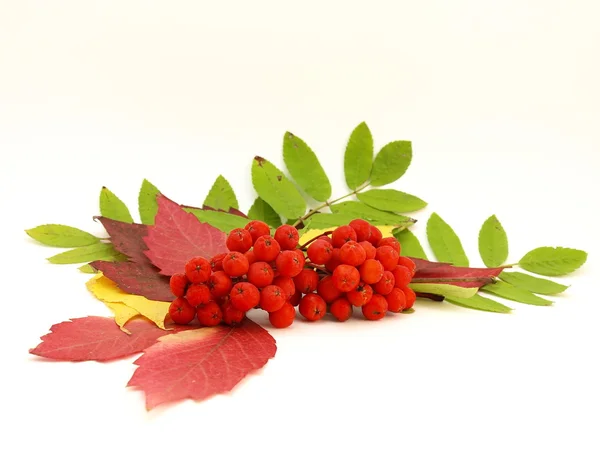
(283, 317)
(352, 254)
(272, 298)
(250, 256)
(216, 262)
(312, 307)
(285, 283)
(375, 235)
(325, 238)
(396, 300)
(260, 274)
(376, 308)
(231, 315)
(370, 250)
(178, 284)
(219, 284)
(410, 296)
(387, 256)
(239, 240)
(320, 251)
(346, 277)
(266, 249)
(362, 229)
(360, 295)
(181, 312)
(209, 314)
(334, 261)
(402, 276)
(287, 236)
(392, 242)
(197, 294)
(371, 271)
(256, 228)
(306, 281)
(289, 263)
(295, 298)
(386, 284)
(244, 296)
(343, 234)
(327, 290)
(198, 270)
(235, 264)
(341, 309)
(408, 263)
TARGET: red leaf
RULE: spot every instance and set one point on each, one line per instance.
(97, 339)
(200, 363)
(127, 238)
(424, 264)
(479, 277)
(177, 236)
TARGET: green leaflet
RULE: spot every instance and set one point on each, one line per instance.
(61, 236)
(94, 252)
(358, 158)
(480, 303)
(147, 205)
(275, 189)
(510, 292)
(445, 243)
(391, 200)
(443, 289)
(533, 284)
(219, 219)
(553, 261)
(409, 243)
(261, 210)
(493, 243)
(221, 195)
(305, 168)
(86, 268)
(360, 210)
(324, 221)
(112, 207)
(391, 162)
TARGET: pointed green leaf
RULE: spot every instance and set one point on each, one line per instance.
(147, 204)
(493, 243)
(553, 261)
(261, 210)
(358, 158)
(61, 236)
(219, 219)
(377, 217)
(391, 162)
(480, 303)
(443, 289)
(391, 200)
(325, 221)
(409, 243)
(445, 243)
(221, 195)
(275, 189)
(510, 292)
(305, 168)
(94, 252)
(86, 268)
(533, 284)
(112, 207)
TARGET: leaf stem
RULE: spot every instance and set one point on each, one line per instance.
(314, 239)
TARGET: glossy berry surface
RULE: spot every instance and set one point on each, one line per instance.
(376, 308)
(239, 240)
(272, 298)
(178, 284)
(312, 307)
(209, 314)
(244, 296)
(181, 312)
(235, 264)
(341, 309)
(197, 270)
(287, 236)
(283, 317)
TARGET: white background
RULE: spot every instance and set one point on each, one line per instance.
(501, 102)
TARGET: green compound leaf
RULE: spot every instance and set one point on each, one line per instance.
(221, 195)
(324, 221)
(553, 261)
(147, 205)
(391, 162)
(358, 158)
(445, 243)
(261, 210)
(95, 252)
(61, 236)
(479, 303)
(305, 168)
(391, 200)
(219, 219)
(533, 284)
(510, 292)
(493, 243)
(275, 189)
(443, 289)
(409, 243)
(112, 207)
(377, 217)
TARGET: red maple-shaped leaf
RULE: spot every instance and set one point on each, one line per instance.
(200, 363)
(127, 238)
(178, 236)
(97, 339)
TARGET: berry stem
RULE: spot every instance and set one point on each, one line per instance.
(486, 280)
(316, 266)
(314, 239)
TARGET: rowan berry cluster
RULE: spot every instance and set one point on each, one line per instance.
(353, 266)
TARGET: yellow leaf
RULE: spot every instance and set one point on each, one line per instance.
(386, 231)
(122, 313)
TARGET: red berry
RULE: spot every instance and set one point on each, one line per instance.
(197, 270)
(266, 249)
(327, 290)
(396, 300)
(287, 236)
(402, 276)
(283, 317)
(295, 298)
(370, 250)
(239, 240)
(410, 296)
(285, 283)
(272, 298)
(375, 235)
(244, 296)
(260, 274)
(325, 238)
(361, 295)
(334, 261)
(346, 277)
(341, 309)
(387, 256)
(306, 281)
(216, 262)
(371, 271)
(312, 307)
(178, 283)
(231, 315)
(343, 234)
(250, 256)
(235, 264)
(362, 229)
(256, 228)
(320, 251)
(408, 263)
(289, 263)
(352, 254)
(219, 284)
(197, 294)
(209, 314)
(386, 284)
(181, 312)
(392, 242)
(376, 308)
